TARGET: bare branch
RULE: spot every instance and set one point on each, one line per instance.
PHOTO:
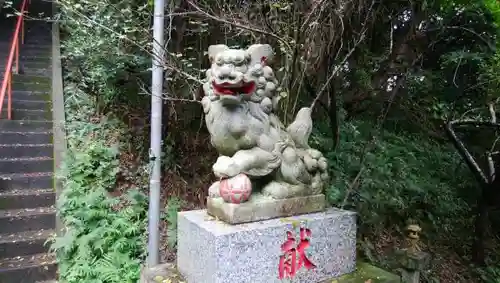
(238, 25)
(493, 115)
(337, 69)
(348, 55)
(177, 70)
(165, 95)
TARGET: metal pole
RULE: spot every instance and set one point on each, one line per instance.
(156, 115)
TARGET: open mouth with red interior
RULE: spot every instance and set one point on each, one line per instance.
(231, 89)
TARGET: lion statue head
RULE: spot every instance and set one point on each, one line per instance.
(242, 75)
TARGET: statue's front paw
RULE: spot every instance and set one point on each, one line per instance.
(205, 102)
(225, 167)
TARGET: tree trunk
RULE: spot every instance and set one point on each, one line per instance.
(481, 224)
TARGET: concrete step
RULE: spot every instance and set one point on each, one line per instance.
(38, 14)
(30, 39)
(29, 86)
(24, 126)
(25, 243)
(31, 114)
(15, 150)
(29, 25)
(20, 181)
(12, 137)
(33, 26)
(31, 95)
(28, 70)
(30, 28)
(29, 104)
(26, 64)
(32, 18)
(26, 165)
(27, 198)
(37, 57)
(28, 269)
(38, 72)
(34, 72)
(31, 83)
(31, 79)
(28, 46)
(42, 72)
(27, 219)
(36, 69)
(35, 52)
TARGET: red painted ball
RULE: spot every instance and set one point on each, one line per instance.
(236, 189)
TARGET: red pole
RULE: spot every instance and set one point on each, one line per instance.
(6, 86)
(17, 56)
(9, 98)
(22, 30)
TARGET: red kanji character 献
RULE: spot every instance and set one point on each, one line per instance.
(289, 263)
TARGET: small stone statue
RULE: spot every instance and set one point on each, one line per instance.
(413, 237)
(412, 259)
(240, 105)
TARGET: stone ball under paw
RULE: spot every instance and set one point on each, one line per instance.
(236, 189)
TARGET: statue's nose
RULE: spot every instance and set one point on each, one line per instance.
(226, 73)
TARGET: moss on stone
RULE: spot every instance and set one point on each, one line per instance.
(367, 273)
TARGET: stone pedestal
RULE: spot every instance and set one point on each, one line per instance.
(212, 251)
(412, 264)
(261, 207)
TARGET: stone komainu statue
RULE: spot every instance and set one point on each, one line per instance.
(240, 106)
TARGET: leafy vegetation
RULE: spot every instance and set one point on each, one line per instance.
(405, 178)
(173, 206)
(104, 236)
(384, 77)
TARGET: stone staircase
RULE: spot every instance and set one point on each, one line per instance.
(27, 196)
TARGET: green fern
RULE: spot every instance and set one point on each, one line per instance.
(170, 216)
(100, 243)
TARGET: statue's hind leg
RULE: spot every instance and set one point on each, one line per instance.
(282, 190)
(252, 162)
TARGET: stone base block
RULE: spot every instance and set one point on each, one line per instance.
(261, 207)
(212, 251)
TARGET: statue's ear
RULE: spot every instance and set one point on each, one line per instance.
(213, 50)
(260, 53)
